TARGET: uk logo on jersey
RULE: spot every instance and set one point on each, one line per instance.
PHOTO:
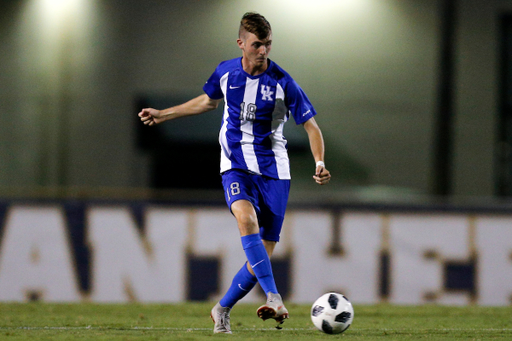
(267, 92)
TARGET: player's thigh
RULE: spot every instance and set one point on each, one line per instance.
(242, 199)
(273, 208)
(238, 185)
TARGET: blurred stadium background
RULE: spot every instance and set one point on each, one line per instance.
(414, 99)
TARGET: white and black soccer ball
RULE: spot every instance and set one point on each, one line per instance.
(332, 313)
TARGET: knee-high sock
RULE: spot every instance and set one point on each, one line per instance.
(242, 283)
(259, 262)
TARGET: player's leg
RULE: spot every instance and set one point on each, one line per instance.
(244, 281)
(238, 187)
(274, 307)
(255, 251)
(272, 210)
(269, 247)
(242, 196)
(242, 284)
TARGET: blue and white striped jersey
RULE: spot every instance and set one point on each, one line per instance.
(255, 111)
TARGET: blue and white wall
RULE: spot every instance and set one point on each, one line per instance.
(134, 251)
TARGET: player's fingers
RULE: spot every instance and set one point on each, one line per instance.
(325, 174)
(317, 178)
(321, 172)
(146, 118)
(146, 112)
(322, 180)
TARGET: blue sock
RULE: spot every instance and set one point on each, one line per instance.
(259, 261)
(242, 283)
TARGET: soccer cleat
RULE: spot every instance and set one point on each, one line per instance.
(220, 316)
(273, 309)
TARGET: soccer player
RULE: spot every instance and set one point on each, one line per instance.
(259, 97)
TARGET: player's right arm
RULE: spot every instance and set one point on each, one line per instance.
(198, 105)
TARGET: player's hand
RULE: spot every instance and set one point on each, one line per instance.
(322, 175)
(150, 116)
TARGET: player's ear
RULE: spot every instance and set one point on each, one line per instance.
(240, 43)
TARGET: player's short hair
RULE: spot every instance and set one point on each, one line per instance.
(256, 24)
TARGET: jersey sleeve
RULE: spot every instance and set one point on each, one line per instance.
(298, 103)
(212, 87)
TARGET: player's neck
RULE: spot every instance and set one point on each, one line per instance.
(254, 69)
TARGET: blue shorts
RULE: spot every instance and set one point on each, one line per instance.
(268, 196)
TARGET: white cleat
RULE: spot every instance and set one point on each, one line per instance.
(273, 309)
(220, 316)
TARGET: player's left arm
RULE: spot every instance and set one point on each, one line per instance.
(316, 141)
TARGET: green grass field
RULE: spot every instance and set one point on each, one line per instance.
(191, 321)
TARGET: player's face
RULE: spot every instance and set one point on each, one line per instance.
(255, 50)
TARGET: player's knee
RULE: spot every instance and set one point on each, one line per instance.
(247, 224)
(246, 217)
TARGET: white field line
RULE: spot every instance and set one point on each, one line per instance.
(142, 328)
(257, 329)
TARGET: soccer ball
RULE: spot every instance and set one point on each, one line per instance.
(332, 313)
